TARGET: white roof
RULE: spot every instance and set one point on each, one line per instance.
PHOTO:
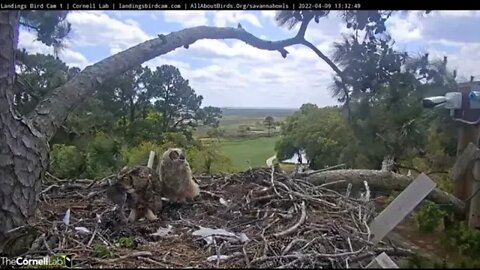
(294, 159)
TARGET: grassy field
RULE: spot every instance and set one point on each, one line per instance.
(234, 117)
(254, 151)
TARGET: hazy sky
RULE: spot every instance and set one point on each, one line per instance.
(232, 73)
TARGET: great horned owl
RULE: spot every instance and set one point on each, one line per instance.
(176, 176)
(140, 188)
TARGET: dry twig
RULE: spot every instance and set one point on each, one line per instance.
(262, 206)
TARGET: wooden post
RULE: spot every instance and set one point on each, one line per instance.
(382, 261)
(464, 187)
(403, 205)
(150, 159)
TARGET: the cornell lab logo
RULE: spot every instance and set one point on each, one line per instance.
(56, 260)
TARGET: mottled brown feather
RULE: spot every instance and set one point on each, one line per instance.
(140, 188)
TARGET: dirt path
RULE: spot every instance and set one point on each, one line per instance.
(269, 161)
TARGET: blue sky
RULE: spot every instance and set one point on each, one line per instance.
(232, 73)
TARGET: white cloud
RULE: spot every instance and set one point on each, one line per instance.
(233, 73)
(127, 13)
(445, 42)
(159, 61)
(115, 50)
(27, 40)
(439, 27)
(405, 29)
(132, 22)
(328, 28)
(95, 28)
(465, 60)
(241, 75)
(442, 33)
(186, 18)
(72, 58)
(458, 13)
(269, 14)
(232, 18)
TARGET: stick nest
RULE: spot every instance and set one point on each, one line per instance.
(256, 219)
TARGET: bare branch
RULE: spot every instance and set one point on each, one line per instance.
(304, 25)
(323, 57)
(383, 181)
(27, 25)
(335, 68)
(303, 216)
(52, 111)
(436, 172)
(401, 166)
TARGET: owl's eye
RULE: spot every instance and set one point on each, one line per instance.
(174, 155)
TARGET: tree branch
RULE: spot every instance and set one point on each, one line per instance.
(418, 171)
(335, 68)
(178, 122)
(401, 166)
(303, 26)
(26, 25)
(384, 181)
(323, 57)
(52, 111)
(436, 172)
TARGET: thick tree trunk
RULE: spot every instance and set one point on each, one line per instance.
(382, 181)
(23, 151)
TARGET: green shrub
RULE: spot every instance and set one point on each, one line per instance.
(176, 139)
(138, 155)
(66, 161)
(429, 217)
(216, 132)
(124, 242)
(103, 156)
(417, 261)
(466, 240)
(207, 158)
(102, 251)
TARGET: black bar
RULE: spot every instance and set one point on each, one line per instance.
(240, 5)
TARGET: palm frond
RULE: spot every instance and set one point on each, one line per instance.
(336, 89)
(287, 18)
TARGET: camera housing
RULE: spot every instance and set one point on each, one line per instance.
(432, 102)
(451, 101)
